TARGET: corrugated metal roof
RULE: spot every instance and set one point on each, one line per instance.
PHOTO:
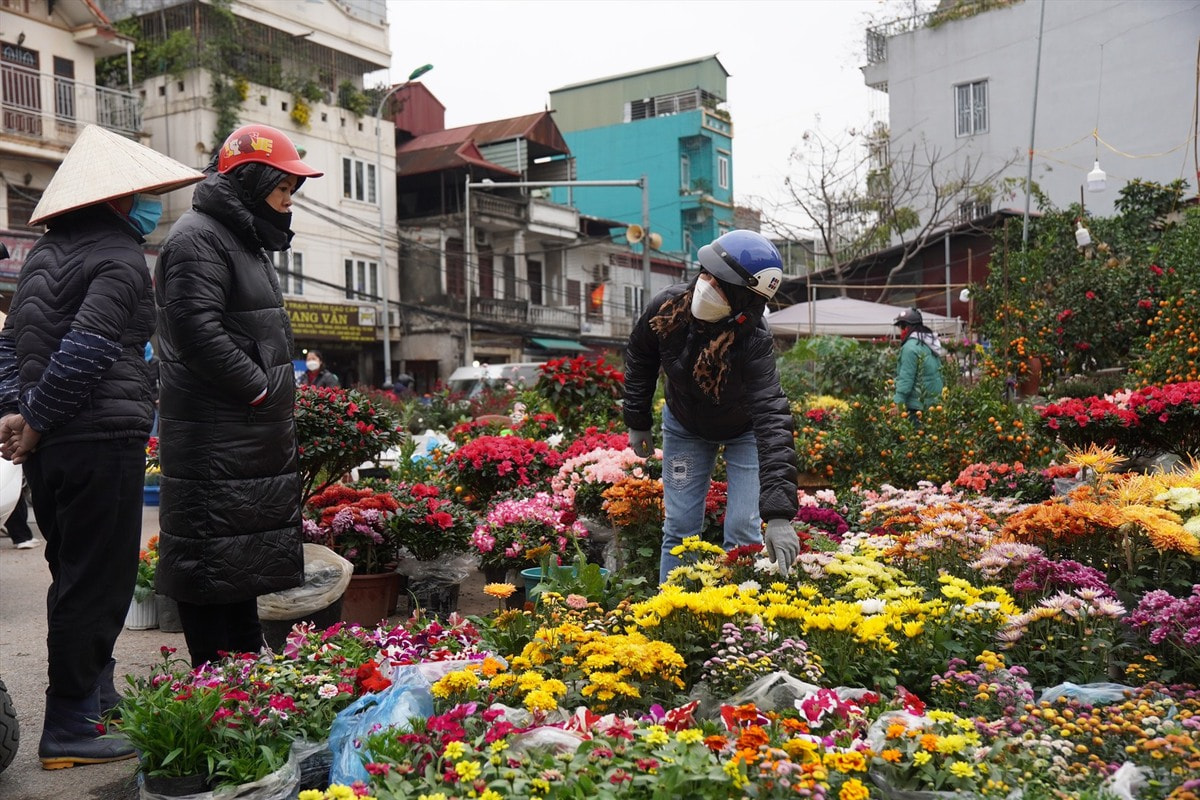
(420, 160)
(457, 147)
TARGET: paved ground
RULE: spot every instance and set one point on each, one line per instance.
(24, 579)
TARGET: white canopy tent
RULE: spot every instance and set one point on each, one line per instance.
(845, 316)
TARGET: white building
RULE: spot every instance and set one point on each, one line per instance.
(48, 94)
(1117, 84)
(293, 66)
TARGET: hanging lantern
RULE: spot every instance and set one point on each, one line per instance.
(1097, 179)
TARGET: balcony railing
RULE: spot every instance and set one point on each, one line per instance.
(53, 109)
(531, 317)
(877, 35)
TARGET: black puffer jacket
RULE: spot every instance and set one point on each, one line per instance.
(752, 400)
(87, 274)
(230, 498)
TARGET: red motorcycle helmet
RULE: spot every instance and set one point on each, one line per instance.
(264, 144)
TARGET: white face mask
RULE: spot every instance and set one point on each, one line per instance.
(313, 366)
(708, 304)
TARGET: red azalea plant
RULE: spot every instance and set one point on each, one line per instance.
(336, 430)
(581, 391)
(429, 524)
(1165, 417)
(492, 465)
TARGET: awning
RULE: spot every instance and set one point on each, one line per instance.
(559, 345)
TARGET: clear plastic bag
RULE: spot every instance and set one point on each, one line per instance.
(1126, 783)
(451, 570)
(326, 576)
(1091, 694)
(556, 739)
(877, 735)
(407, 697)
(282, 784)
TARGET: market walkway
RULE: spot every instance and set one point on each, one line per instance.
(24, 579)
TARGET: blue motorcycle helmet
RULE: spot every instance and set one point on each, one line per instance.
(744, 258)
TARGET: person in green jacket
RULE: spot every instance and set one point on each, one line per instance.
(919, 368)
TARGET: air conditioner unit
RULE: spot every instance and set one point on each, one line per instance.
(481, 237)
(393, 318)
(601, 273)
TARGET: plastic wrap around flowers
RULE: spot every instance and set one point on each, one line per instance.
(519, 532)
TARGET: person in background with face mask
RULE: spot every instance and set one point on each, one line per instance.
(75, 393)
(711, 342)
(230, 484)
(315, 373)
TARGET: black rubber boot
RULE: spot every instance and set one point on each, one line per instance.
(107, 692)
(71, 735)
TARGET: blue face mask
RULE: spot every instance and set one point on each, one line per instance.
(145, 214)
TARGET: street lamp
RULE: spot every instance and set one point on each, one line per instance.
(387, 331)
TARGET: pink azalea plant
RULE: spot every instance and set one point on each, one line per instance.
(515, 527)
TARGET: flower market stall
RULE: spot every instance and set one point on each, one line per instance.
(994, 626)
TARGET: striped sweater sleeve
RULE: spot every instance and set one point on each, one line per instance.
(10, 375)
(74, 370)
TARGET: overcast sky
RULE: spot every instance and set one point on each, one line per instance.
(789, 61)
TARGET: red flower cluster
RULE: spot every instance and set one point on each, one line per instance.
(491, 465)
(339, 496)
(595, 439)
(427, 524)
(1166, 417)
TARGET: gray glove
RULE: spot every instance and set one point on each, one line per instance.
(641, 443)
(783, 545)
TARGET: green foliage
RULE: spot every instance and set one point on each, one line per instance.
(872, 444)
(579, 577)
(352, 99)
(836, 366)
(1085, 309)
(338, 429)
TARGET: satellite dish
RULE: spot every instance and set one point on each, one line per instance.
(634, 233)
(655, 241)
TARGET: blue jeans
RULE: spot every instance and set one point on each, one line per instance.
(688, 462)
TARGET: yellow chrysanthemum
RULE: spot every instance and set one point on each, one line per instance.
(1096, 458)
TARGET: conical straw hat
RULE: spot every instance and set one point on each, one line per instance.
(102, 165)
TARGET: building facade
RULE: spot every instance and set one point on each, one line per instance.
(1116, 86)
(48, 94)
(667, 123)
(298, 67)
(501, 274)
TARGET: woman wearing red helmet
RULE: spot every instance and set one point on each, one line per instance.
(230, 496)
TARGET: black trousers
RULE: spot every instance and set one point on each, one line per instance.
(18, 521)
(87, 498)
(212, 629)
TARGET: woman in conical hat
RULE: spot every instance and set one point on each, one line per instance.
(76, 407)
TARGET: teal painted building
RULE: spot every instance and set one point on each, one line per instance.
(667, 124)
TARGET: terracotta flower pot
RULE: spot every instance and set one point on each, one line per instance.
(368, 597)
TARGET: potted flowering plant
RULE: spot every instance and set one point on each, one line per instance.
(427, 523)
(515, 533)
(582, 479)
(208, 728)
(143, 589)
(338, 429)
(581, 391)
(353, 523)
(491, 465)
(436, 531)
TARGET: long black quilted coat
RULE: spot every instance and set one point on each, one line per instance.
(230, 497)
(751, 400)
(89, 273)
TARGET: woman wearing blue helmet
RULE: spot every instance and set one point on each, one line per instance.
(711, 342)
